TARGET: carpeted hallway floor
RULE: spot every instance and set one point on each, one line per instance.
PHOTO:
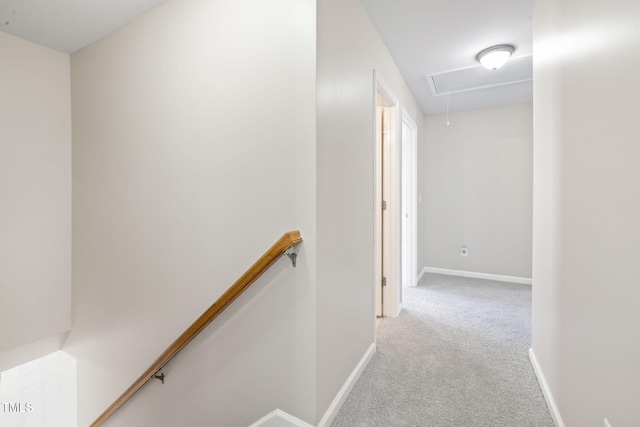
(455, 357)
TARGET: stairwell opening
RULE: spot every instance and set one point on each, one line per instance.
(42, 392)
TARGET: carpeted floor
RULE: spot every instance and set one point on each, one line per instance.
(455, 357)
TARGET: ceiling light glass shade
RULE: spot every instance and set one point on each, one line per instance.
(496, 56)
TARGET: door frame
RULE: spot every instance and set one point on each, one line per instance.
(410, 192)
(393, 291)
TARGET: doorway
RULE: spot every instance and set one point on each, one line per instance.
(387, 206)
(409, 245)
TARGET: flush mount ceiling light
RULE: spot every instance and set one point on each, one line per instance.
(495, 57)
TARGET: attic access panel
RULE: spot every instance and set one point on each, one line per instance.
(477, 77)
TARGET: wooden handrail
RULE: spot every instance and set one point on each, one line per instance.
(288, 240)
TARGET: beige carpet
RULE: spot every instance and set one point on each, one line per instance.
(456, 357)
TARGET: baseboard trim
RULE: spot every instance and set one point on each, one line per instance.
(546, 391)
(461, 273)
(421, 275)
(338, 401)
(270, 419)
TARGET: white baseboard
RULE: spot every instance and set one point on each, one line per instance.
(498, 277)
(279, 418)
(335, 406)
(546, 391)
(422, 272)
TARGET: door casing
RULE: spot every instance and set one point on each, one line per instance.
(409, 197)
(392, 293)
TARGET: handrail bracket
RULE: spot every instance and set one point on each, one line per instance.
(292, 256)
(159, 377)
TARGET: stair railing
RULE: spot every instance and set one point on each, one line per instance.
(281, 247)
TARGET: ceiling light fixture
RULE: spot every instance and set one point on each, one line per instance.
(495, 57)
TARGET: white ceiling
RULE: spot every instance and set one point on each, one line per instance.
(425, 37)
(69, 25)
(428, 37)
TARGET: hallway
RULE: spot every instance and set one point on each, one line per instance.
(457, 356)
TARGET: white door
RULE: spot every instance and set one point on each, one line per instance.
(383, 124)
(378, 218)
(41, 393)
(386, 206)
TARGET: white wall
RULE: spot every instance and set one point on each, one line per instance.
(193, 152)
(477, 191)
(587, 205)
(349, 49)
(35, 195)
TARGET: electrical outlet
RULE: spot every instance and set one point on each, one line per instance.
(606, 423)
(464, 251)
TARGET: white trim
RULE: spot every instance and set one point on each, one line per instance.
(422, 273)
(406, 116)
(374, 231)
(412, 194)
(395, 215)
(335, 406)
(461, 273)
(296, 422)
(384, 89)
(546, 391)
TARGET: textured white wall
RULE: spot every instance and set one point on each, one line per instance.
(477, 191)
(193, 151)
(35, 200)
(349, 48)
(587, 205)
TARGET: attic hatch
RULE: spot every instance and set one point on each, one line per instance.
(477, 77)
